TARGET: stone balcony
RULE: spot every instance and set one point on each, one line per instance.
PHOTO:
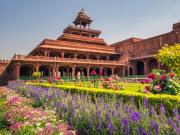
(46, 59)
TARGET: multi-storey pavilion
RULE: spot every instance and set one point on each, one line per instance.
(79, 49)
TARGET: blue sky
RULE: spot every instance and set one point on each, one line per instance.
(25, 23)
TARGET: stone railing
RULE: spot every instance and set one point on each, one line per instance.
(66, 60)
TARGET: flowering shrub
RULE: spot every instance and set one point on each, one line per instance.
(109, 83)
(160, 82)
(36, 75)
(23, 119)
(105, 115)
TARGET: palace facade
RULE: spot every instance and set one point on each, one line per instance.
(79, 50)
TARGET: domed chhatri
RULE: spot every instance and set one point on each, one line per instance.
(82, 19)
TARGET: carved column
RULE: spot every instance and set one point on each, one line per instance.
(88, 69)
(75, 56)
(112, 69)
(98, 56)
(62, 54)
(73, 71)
(17, 70)
(68, 71)
(54, 70)
(146, 70)
(37, 67)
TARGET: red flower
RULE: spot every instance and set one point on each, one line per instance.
(163, 77)
(172, 75)
(107, 79)
(152, 76)
(147, 88)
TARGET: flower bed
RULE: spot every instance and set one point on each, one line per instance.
(104, 115)
(19, 117)
(169, 101)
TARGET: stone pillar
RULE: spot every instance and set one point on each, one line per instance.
(37, 67)
(62, 54)
(68, 71)
(54, 70)
(107, 57)
(73, 71)
(87, 56)
(98, 56)
(17, 71)
(75, 56)
(124, 71)
(88, 69)
(146, 71)
(112, 69)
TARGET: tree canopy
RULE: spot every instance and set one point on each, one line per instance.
(169, 55)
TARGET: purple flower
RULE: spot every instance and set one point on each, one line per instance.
(156, 126)
(151, 111)
(145, 102)
(99, 115)
(113, 113)
(125, 123)
(110, 128)
(135, 116)
(107, 117)
(140, 130)
(162, 109)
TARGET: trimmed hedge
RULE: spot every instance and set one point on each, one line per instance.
(169, 101)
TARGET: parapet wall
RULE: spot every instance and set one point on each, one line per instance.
(3, 64)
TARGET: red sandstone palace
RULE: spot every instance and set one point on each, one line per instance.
(79, 50)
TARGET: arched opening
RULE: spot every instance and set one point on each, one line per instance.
(102, 58)
(45, 70)
(26, 70)
(117, 71)
(92, 57)
(54, 54)
(153, 64)
(107, 71)
(81, 56)
(140, 68)
(130, 71)
(126, 71)
(68, 55)
(80, 72)
(63, 71)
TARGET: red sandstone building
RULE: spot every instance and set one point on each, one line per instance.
(79, 50)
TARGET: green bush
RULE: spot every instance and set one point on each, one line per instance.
(3, 122)
(36, 75)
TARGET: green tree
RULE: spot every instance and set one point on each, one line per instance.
(169, 56)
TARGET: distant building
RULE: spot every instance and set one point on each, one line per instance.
(79, 50)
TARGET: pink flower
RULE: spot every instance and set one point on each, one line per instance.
(142, 81)
(152, 76)
(15, 127)
(49, 80)
(157, 88)
(163, 77)
(14, 101)
(93, 72)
